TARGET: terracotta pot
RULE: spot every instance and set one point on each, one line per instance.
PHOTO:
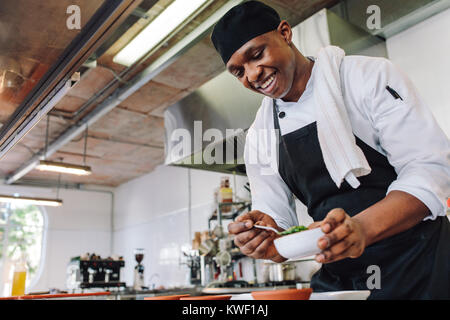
(284, 294)
(172, 297)
(212, 297)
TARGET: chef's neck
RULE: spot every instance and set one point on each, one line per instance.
(302, 73)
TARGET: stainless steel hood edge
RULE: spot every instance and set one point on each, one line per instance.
(211, 123)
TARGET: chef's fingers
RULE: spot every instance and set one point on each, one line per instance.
(245, 221)
(322, 259)
(355, 249)
(238, 227)
(339, 233)
(333, 219)
(243, 217)
(337, 249)
(352, 252)
(251, 246)
(242, 238)
(266, 250)
(315, 225)
(254, 216)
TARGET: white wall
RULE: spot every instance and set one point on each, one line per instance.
(423, 52)
(82, 224)
(151, 212)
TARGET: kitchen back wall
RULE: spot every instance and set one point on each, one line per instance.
(152, 212)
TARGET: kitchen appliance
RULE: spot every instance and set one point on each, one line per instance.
(138, 283)
(224, 260)
(196, 263)
(94, 272)
(281, 272)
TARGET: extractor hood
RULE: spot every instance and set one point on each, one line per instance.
(211, 123)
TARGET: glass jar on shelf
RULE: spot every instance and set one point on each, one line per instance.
(225, 194)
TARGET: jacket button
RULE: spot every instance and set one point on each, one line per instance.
(282, 114)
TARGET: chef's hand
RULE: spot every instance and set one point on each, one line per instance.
(253, 242)
(344, 237)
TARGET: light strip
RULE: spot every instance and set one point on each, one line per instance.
(31, 200)
(159, 29)
(62, 167)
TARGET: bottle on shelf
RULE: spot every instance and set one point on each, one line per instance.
(225, 194)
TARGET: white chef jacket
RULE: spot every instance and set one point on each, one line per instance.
(404, 130)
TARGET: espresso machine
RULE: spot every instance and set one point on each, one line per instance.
(91, 271)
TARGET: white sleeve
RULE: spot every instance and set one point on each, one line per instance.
(269, 192)
(414, 143)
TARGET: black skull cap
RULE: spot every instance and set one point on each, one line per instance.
(242, 23)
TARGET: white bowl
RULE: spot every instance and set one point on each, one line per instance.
(300, 244)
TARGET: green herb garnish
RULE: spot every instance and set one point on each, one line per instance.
(293, 230)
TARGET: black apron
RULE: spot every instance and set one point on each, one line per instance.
(414, 264)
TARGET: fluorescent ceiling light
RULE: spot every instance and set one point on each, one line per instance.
(62, 167)
(159, 29)
(31, 200)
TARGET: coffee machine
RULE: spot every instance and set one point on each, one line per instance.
(91, 271)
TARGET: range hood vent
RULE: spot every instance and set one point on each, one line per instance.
(207, 129)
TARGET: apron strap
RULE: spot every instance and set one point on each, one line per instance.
(280, 136)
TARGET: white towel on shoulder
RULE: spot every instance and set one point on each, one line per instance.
(343, 158)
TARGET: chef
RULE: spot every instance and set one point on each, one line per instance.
(356, 145)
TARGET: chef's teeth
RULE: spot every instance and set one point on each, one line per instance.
(268, 82)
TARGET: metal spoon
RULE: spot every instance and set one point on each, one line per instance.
(267, 228)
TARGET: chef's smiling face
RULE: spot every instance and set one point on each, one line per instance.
(266, 64)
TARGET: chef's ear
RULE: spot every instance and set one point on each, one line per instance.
(285, 31)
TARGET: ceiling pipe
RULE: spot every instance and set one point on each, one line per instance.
(124, 92)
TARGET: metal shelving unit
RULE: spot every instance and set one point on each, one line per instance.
(236, 209)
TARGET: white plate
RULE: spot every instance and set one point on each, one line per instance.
(242, 296)
(341, 295)
(300, 244)
(332, 295)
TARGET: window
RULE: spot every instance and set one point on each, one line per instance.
(21, 231)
